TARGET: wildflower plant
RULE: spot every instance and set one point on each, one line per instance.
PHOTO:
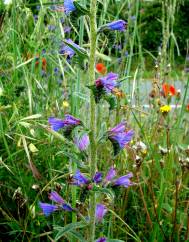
(99, 178)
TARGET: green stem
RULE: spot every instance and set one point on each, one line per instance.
(93, 159)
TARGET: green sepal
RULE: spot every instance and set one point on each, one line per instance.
(111, 100)
(97, 92)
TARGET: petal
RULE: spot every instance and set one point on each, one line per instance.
(47, 208)
(56, 123)
(54, 196)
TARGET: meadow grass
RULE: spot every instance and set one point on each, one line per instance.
(37, 82)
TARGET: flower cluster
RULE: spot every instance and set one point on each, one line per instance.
(109, 180)
(105, 85)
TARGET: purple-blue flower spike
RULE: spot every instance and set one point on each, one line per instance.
(119, 25)
(101, 210)
(97, 177)
(54, 196)
(47, 208)
(124, 180)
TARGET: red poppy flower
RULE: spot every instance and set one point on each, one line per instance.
(168, 90)
(172, 90)
(187, 107)
(100, 67)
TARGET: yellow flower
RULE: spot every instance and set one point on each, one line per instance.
(65, 104)
(165, 109)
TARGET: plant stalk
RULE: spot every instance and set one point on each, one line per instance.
(93, 158)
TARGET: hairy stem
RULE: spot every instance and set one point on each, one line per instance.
(93, 158)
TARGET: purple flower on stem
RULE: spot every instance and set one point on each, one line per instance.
(124, 180)
(69, 123)
(110, 175)
(119, 137)
(56, 123)
(80, 179)
(97, 177)
(82, 142)
(122, 138)
(108, 82)
(54, 196)
(69, 6)
(119, 25)
(47, 208)
(102, 239)
(101, 210)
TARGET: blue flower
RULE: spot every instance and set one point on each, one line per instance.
(60, 204)
(69, 122)
(67, 207)
(119, 25)
(97, 177)
(80, 179)
(69, 6)
(110, 175)
(124, 180)
(102, 239)
(54, 196)
(120, 137)
(47, 208)
(82, 142)
(108, 82)
(101, 210)
(56, 123)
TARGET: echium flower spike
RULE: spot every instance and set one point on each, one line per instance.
(101, 210)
